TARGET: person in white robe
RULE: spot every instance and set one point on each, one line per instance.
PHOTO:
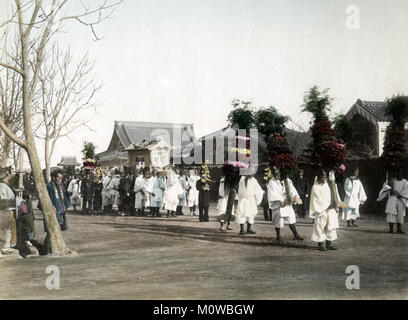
(142, 195)
(355, 196)
(249, 198)
(74, 188)
(183, 197)
(324, 202)
(106, 181)
(172, 193)
(113, 189)
(280, 202)
(156, 186)
(397, 193)
(192, 196)
(226, 212)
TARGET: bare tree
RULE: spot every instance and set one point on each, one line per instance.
(10, 107)
(35, 23)
(66, 94)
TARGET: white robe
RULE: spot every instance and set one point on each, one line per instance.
(326, 220)
(395, 208)
(106, 197)
(276, 194)
(114, 190)
(223, 198)
(355, 196)
(192, 198)
(250, 197)
(75, 189)
(141, 192)
(174, 189)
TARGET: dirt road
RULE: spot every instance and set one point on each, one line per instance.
(181, 258)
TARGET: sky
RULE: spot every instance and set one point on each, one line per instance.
(185, 60)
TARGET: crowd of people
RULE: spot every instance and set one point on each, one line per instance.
(150, 191)
(144, 193)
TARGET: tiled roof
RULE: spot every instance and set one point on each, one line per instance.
(377, 109)
(374, 111)
(147, 144)
(135, 132)
(111, 155)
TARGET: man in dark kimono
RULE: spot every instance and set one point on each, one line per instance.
(97, 199)
(303, 188)
(125, 184)
(59, 198)
(87, 192)
(132, 195)
(203, 188)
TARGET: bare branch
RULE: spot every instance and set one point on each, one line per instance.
(12, 135)
(8, 66)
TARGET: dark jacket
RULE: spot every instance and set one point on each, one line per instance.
(87, 188)
(302, 187)
(203, 195)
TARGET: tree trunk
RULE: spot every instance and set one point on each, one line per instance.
(57, 242)
(58, 246)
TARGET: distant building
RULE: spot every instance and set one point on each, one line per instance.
(128, 134)
(68, 163)
(369, 122)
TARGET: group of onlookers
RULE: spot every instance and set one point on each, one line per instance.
(146, 192)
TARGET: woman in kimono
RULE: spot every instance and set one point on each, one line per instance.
(7, 208)
(280, 202)
(250, 197)
(397, 193)
(355, 196)
(324, 203)
(156, 187)
(172, 193)
(192, 197)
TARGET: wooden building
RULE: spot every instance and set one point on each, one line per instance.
(176, 136)
(369, 122)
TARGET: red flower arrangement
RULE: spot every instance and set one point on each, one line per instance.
(328, 152)
(89, 164)
(281, 156)
(322, 130)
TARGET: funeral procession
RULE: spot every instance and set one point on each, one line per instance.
(183, 150)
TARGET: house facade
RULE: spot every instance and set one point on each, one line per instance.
(128, 134)
(149, 153)
(369, 122)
